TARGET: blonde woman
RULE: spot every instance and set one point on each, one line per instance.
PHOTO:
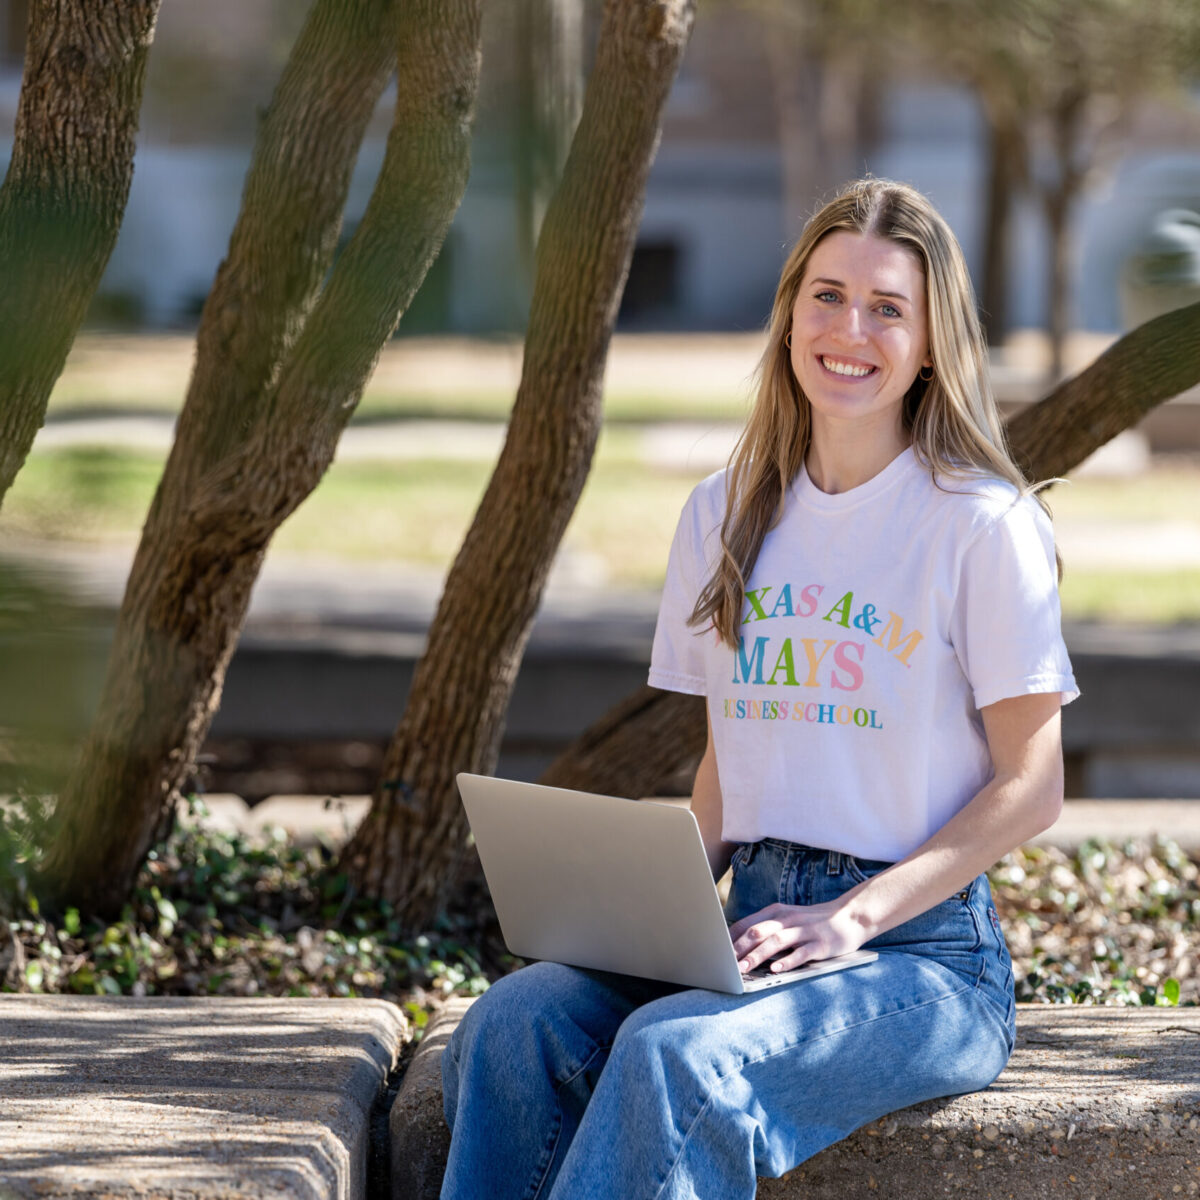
(867, 598)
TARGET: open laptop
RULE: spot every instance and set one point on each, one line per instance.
(610, 884)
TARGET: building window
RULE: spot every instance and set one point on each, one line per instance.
(652, 289)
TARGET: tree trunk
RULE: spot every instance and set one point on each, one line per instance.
(64, 195)
(409, 846)
(1055, 204)
(262, 431)
(795, 84)
(1058, 202)
(549, 49)
(839, 115)
(1005, 152)
(652, 735)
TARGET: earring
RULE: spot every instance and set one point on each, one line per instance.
(921, 373)
(787, 341)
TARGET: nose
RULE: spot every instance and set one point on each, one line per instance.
(850, 325)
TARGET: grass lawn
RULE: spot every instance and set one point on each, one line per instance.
(417, 512)
(1170, 491)
(459, 380)
(381, 512)
(1153, 597)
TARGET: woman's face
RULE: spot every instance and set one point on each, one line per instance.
(859, 328)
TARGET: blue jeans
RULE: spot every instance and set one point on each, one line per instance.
(564, 1084)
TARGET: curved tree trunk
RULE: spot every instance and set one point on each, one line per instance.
(653, 736)
(64, 195)
(264, 422)
(612, 756)
(410, 844)
(1146, 367)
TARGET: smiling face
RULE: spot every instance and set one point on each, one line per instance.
(859, 331)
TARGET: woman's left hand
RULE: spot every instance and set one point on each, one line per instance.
(795, 934)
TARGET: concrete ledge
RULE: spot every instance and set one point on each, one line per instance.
(1096, 1103)
(420, 1139)
(182, 1097)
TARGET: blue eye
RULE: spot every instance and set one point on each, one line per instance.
(889, 310)
(826, 295)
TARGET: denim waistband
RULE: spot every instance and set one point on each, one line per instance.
(835, 858)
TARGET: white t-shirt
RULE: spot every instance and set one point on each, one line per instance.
(877, 623)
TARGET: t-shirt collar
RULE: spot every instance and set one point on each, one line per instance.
(808, 493)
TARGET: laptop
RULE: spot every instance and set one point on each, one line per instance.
(575, 877)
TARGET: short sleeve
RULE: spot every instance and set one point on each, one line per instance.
(677, 657)
(1007, 623)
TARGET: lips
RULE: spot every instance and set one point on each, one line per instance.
(845, 368)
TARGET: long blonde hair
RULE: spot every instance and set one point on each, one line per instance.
(952, 418)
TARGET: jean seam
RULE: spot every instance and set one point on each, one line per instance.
(978, 950)
(559, 1084)
(775, 1054)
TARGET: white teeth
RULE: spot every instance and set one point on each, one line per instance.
(841, 368)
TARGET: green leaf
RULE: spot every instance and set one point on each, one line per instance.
(71, 921)
(83, 980)
(34, 975)
(1170, 989)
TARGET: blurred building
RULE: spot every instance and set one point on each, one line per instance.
(716, 223)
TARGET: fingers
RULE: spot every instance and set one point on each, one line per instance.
(797, 958)
(738, 928)
(759, 938)
(783, 951)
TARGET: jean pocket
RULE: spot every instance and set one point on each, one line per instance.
(862, 869)
(742, 854)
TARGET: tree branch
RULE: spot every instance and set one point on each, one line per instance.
(64, 196)
(1151, 364)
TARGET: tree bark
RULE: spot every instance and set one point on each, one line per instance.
(611, 757)
(264, 423)
(64, 195)
(408, 848)
(1147, 366)
(653, 735)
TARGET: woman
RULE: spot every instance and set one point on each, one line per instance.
(867, 598)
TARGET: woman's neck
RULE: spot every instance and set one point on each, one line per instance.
(845, 456)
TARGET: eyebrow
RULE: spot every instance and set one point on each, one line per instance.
(889, 295)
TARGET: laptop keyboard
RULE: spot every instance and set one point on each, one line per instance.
(766, 973)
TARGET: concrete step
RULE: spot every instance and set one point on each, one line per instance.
(1095, 1102)
(191, 1098)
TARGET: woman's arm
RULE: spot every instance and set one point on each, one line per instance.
(1023, 798)
(706, 806)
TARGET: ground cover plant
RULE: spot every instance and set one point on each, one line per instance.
(219, 913)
